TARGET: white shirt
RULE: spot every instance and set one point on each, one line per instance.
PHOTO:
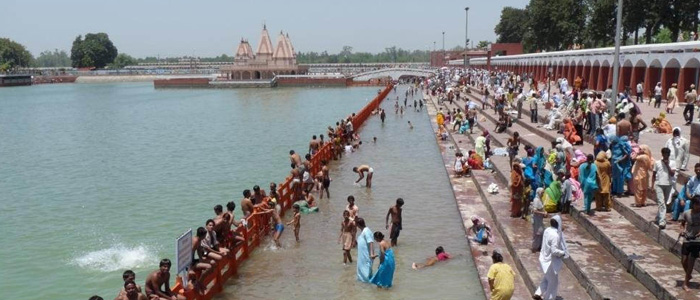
(348, 149)
(640, 89)
(662, 177)
(657, 91)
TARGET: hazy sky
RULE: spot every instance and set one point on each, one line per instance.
(212, 27)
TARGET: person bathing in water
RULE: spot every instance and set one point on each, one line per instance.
(347, 227)
(279, 226)
(440, 255)
(361, 171)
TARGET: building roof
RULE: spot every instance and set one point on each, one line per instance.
(265, 46)
(245, 51)
(283, 49)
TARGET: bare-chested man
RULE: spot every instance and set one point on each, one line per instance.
(279, 226)
(346, 237)
(314, 145)
(128, 275)
(395, 228)
(258, 195)
(325, 179)
(352, 208)
(361, 170)
(161, 278)
(247, 205)
(294, 158)
(131, 292)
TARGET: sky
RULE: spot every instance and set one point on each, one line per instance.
(205, 28)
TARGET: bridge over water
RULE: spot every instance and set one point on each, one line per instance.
(394, 73)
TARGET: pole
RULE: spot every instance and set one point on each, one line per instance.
(443, 49)
(616, 66)
(466, 39)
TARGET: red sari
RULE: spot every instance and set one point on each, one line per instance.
(516, 191)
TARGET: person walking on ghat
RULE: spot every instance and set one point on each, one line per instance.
(552, 257)
(690, 230)
(664, 171)
(672, 98)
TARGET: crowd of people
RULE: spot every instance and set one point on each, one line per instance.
(545, 182)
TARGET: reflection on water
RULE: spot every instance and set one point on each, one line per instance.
(407, 164)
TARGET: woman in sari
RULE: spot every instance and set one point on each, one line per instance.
(640, 172)
(603, 201)
(621, 164)
(480, 145)
(365, 251)
(475, 161)
(385, 273)
(662, 125)
(588, 177)
(440, 118)
(516, 190)
(538, 215)
(539, 161)
(570, 132)
(552, 195)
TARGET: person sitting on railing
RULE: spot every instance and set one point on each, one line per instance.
(203, 264)
(232, 225)
(246, 204)
(211, 244)
(219, 223)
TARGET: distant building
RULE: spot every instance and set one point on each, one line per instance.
(441, 58)
(266, 62)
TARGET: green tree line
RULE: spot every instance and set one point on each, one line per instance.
(346, 55)
(552, 25)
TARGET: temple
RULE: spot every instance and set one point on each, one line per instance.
(266, 62)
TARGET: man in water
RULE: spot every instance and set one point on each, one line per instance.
(127, 276)
(325, 179)
(395, 228)
(131, 292)
(382, 115)
(161, 278)
(361, 171)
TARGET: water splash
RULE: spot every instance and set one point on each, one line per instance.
(117, 257)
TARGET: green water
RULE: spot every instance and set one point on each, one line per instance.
(99, 178)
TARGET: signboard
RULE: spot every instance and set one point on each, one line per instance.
(695, 138)
(183, 251)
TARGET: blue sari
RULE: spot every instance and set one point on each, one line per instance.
(385, 274)
(621, 170)
(677, 208)
(364, 262)
(588, 178)
(539, 161)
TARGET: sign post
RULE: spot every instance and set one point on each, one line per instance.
(183, 252)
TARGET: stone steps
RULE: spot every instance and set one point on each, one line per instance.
(658, 270)
(517, 240)
(468, 204)
(641, 217)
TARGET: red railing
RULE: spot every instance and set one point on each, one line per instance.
(259, 224)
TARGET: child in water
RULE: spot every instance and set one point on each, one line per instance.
(440, 255)
(279, 226)
(295, 221)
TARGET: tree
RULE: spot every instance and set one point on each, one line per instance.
(601, 27)
(483, 44)
(555, 24)
(13, 55)
(53, 59)
(96, 50)
(122, 60)
(512, 26)
(633, 13)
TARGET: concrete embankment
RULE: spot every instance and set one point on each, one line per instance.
(133, 78)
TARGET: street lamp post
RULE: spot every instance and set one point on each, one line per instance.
(549, 81)
(616, 66)
(466, 39)
(443, 49)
